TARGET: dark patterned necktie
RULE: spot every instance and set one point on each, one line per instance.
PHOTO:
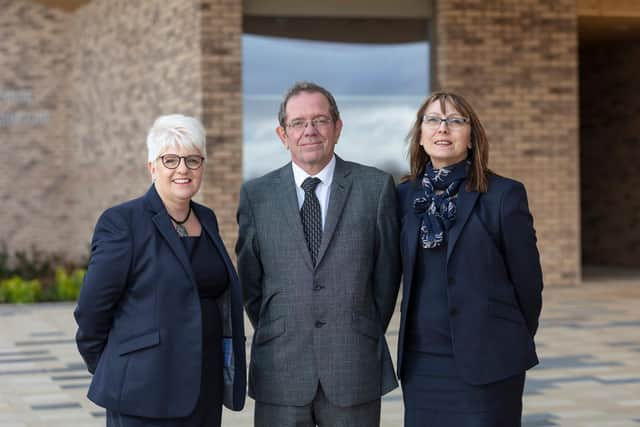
(311, 217)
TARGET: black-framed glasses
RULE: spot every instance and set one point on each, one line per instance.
(317, 123)
(172, 161)
(455, 122)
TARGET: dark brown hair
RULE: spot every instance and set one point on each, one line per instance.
(479, 152)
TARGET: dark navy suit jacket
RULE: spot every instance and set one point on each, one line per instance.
(138, 314)
(494, 279)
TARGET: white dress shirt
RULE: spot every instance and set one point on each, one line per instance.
(323, 190)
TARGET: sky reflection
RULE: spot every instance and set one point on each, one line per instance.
(378, 89)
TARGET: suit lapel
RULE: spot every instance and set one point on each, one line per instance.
(337, 200)
(464, 204)
(163, 224)
(287, 200)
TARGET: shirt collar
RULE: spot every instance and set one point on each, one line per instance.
(325, 175)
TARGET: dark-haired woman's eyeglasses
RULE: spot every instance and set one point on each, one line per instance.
(433, 122)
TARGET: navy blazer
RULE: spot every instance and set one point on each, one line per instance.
(494, 279)
(138, 314)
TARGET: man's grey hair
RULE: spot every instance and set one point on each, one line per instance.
(304, 86)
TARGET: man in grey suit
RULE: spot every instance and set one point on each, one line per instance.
(318, 260)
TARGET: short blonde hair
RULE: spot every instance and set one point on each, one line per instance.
(178, 131)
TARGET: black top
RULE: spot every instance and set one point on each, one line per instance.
(428, 317)
(208, 267)
(212, 279)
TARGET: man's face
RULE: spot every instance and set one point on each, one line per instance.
(310, 134)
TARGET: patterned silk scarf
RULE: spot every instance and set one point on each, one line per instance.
(437, 208)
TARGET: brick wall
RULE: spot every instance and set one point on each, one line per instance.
(222, 110)
(516, 62)
(130, 62)
(105, 71)
(610, 153)
(78, 92)
(36, 169)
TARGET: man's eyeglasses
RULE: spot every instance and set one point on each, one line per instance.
(317, 123)
(172, 161)
(433, 122)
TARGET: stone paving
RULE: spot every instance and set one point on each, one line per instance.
(589, 376)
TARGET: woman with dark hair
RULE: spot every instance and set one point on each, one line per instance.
(472, 290)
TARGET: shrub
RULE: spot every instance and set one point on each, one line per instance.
(67, 285)
(16, 289)
(56, 278)
(36, 264)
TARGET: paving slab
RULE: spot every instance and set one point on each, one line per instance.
(588, 343)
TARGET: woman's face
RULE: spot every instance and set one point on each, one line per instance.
(445, 143)
(177, 185)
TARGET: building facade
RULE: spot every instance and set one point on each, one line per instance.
(81, 82)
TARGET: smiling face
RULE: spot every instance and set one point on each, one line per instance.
(176, 186)
(312, 146)
(443, 144)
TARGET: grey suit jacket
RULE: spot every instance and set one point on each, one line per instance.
(324, 324)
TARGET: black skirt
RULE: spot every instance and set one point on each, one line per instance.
(435, 396)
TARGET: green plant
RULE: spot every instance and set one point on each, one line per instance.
(16, 289)
(67, 285)
(58, 278)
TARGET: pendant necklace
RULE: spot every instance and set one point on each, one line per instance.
(181, 229)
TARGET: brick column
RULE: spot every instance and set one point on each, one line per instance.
(516, 62)
(222, 110)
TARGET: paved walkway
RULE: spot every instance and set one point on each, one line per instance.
(589, 343)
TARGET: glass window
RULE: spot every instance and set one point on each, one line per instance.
(378, 88)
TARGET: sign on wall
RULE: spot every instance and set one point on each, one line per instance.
(20, 98)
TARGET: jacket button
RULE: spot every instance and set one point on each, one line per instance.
(318, 287)
(453, 311)
(451, 280)
(320, 324)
